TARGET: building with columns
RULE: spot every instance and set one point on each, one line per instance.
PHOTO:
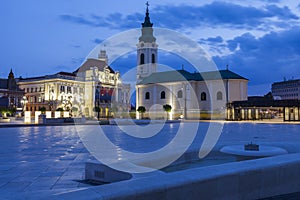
(94, 84)
(189, 94)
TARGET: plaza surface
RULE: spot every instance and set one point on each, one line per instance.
(46, 161)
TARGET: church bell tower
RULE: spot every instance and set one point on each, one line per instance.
(146, 49)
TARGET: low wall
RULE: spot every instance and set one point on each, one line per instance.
(252, 179)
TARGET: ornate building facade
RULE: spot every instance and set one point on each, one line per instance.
(94, 84)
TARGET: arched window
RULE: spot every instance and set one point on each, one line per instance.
(219, 95)
(153, 58)
(179, 94)
(147, 95)
(163, 95)
(203, 96)
(142, 61)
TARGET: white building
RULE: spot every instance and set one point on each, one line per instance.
(94, 84)
(189, 94)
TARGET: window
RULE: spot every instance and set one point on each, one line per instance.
(163, 95)
(153, 58)
(219, 95)
(203, 96)
(147, 95)
(69, 89)
(62, 88)
(142, 61)
(179, 94)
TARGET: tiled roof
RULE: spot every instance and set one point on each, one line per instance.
(91, 62)
(182, 75)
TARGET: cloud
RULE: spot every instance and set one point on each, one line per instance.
(219, 13)
(114, 20)
(266, 59)
(183, 16)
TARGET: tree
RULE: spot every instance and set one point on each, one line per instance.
(167, 108)
(43, 110)
(97, 109)
(142, 110)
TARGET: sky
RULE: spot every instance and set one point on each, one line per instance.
(258, 39)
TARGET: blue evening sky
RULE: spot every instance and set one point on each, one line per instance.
(259, 39)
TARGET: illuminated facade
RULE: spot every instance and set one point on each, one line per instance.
(94, 84)
(189, 94)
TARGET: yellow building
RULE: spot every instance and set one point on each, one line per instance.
(94, 84)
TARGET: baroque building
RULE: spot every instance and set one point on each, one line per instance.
(189, 94)
(94, 84)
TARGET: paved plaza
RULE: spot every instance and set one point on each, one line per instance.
(35, 161)
(41, 161)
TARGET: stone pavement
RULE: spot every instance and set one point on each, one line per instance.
(36, 159)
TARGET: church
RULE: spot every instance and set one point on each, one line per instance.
(191, 95)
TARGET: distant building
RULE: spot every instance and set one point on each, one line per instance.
(10, 93)
(286, 89)
(94, 84)
(187, 93)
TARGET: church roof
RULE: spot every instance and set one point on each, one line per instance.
(183, 75)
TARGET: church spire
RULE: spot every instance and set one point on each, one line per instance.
(147, 22)
(11, 74)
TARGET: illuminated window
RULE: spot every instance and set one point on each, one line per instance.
(62, 88)
(69, 90)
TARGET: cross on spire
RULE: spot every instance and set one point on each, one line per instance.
(147, 10)
(147, 22)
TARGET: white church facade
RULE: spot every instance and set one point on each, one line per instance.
(191, 95)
